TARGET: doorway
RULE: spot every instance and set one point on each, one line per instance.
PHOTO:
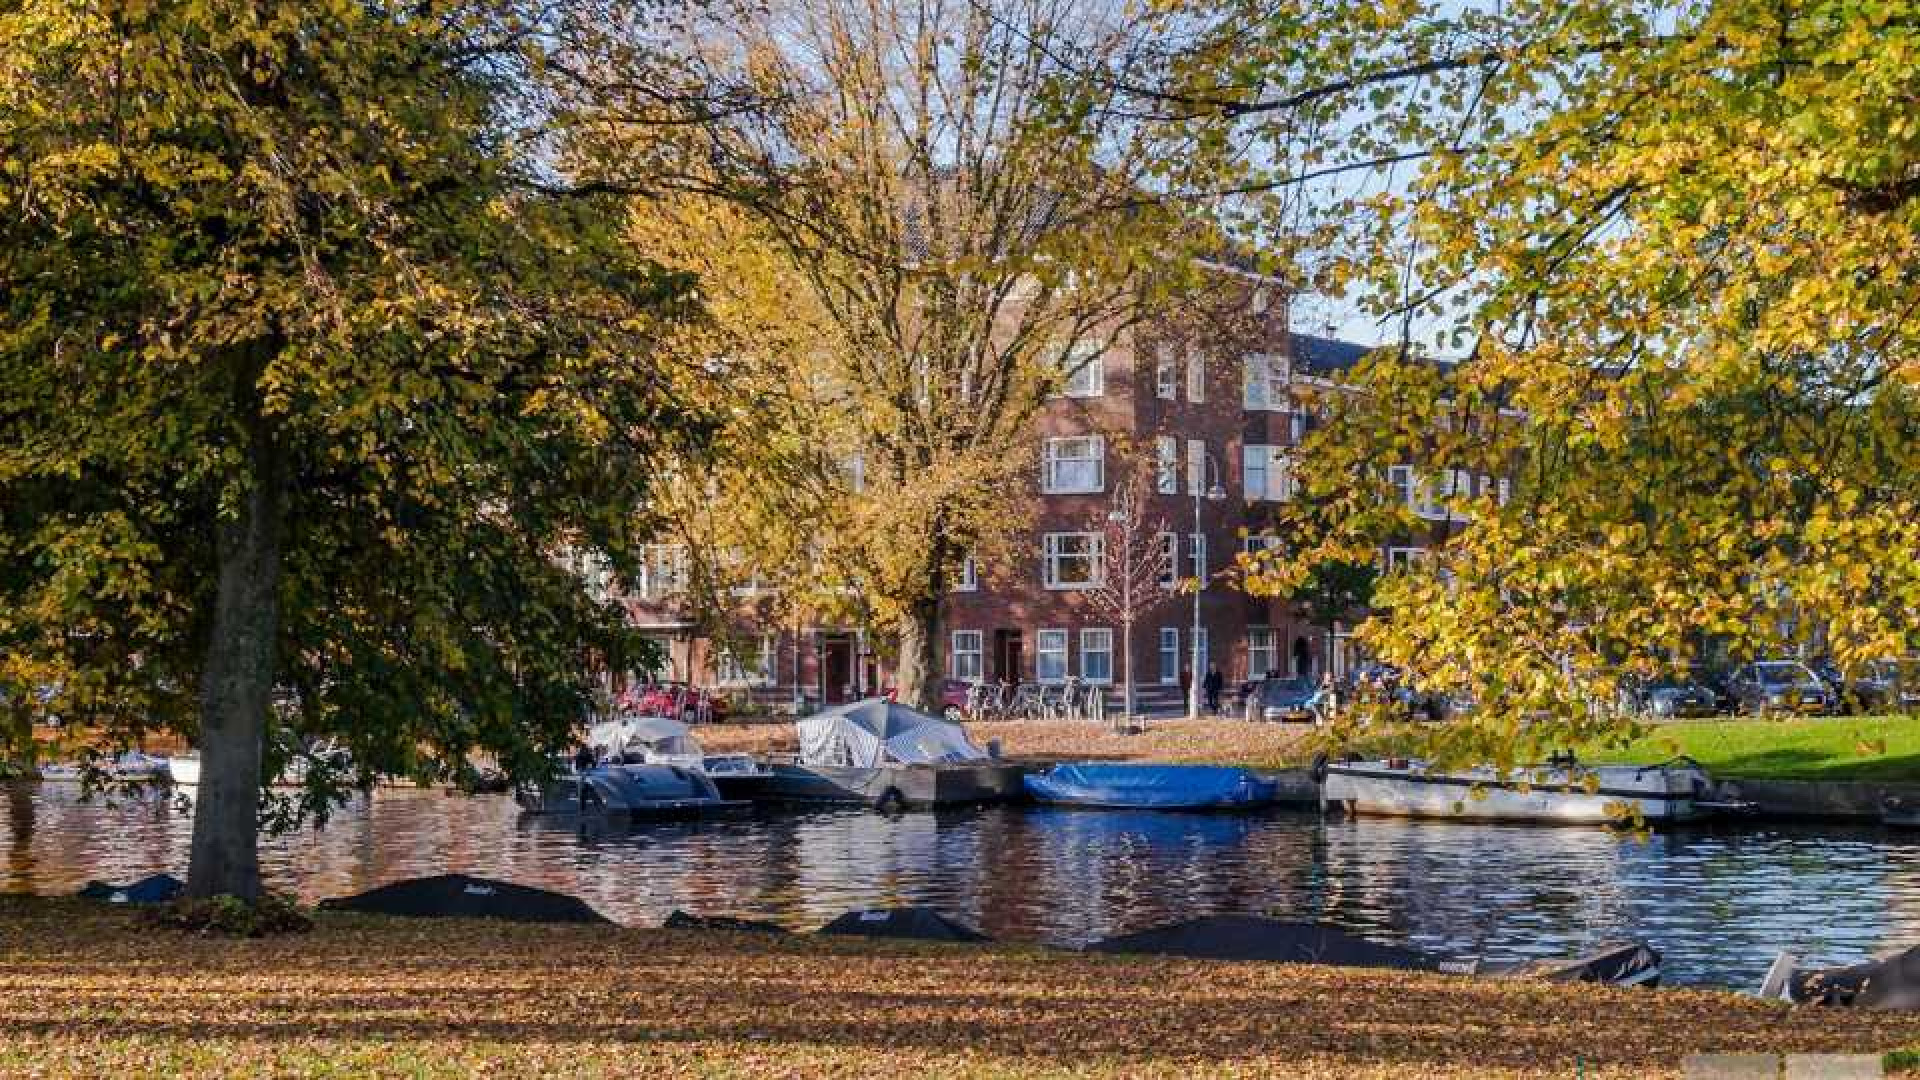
(1008, 662)
(836, 668)
(1302, 657)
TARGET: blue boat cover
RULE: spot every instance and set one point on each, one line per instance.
(1161, 787)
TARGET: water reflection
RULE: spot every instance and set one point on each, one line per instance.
(1718, 903)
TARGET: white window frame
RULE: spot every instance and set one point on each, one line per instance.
(1257, 543)
(967, 576)
(728, 670)
(1196, 466)
(1266, 472)
(663, 571)
(1166, 372)
(1083, 371)
(1166, 465)
(1197, 556)
(1196, 375)
(1206, 653)
(1406, 558)
(1096, 641)
(1169, 558)
(967, 656)
(1263, 382)
(1054, 553)
(1055, 455)
(1256, 650)
(1170, 651)
(1049, 642)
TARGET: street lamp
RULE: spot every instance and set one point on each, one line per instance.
(1214, 493)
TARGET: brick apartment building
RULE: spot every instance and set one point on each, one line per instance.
(1212, 401)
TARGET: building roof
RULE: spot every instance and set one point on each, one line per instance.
(1326, 356)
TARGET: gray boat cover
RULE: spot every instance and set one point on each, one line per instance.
(1251, 937)
(458, 896)
(915, 923)
(874, 733)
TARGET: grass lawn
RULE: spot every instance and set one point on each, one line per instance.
(88, 991)
(1862, 748)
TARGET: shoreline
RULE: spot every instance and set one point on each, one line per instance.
(87, 990)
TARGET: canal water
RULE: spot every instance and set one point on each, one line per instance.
(1718, 903)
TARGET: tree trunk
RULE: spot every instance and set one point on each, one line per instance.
(917, 680)
(237, 683)
(1126, 654)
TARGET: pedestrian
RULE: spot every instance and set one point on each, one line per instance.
(584, 759)
(1212, 685)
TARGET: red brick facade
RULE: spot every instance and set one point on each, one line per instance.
(1012, 609)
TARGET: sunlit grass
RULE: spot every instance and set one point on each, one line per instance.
(1857, 748)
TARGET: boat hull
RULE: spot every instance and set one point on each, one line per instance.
(908, 786)
(1659, 795)
(1102, 786)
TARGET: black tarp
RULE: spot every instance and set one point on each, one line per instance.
(917, 923)
(154, 889)
(460, 896)
(1892, 983)
(1251, 937)
(685, 920)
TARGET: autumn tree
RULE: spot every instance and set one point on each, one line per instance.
(305, 382)
(968, 222)
(1672, 247)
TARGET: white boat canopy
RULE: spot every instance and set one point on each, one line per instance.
(876, 732)
(658, 734)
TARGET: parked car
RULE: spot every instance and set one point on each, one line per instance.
(1770, 686)
(1670, 697)
(1886, 686)
(1284, 697)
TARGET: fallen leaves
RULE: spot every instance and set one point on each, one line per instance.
(86, 991)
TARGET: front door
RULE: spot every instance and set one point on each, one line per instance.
(1008, 663)
(836, 669)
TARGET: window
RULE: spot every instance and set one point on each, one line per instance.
(963, 660)
(1196, 466)
(751, 666)
(1074, 466)
(1255, 543)
(1206, 654)
(1096, 655)
(1166, 373)
(1299, 422)
(1169, 557)
(1072, 560)
(1050, 656)
(1263, 651)
(1196, 375)
(1197, 556)
(1503, 490)
(966, 576)
(1420, 493)
(1166, 465)
(1083, 371)
(1263, 381)
(1405, 558)
(1169, 655)
(663, 571)
(1257, 303)
(1266, 472)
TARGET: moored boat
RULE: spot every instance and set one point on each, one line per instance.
(1099, 785)
(884, 754)
(129, 766)
(659, 740)
(633, 791)
(1560, 793)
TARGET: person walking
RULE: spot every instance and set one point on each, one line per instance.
(1211, 687)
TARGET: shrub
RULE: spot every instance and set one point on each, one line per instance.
(230, 916)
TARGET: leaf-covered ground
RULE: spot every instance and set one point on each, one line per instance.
(1213, 741)
(90, 992)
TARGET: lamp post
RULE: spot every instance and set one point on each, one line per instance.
(1214, 493)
